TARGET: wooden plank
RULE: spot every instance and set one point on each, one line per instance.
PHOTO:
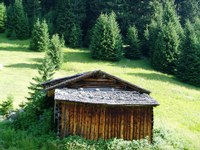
(89, 121)
(103, 122)
(152, 121)
(85, 122)
(64, 117)
(96, 129)
(81, 120)
(92, 130)
(127, 125)
(145, 124)
(149, 123)
(75, 119)
(67, 120)
(100, 128)
(71, 108)
(106, 123)
(97, 80)
(122, 124)
(131, 125)
(115, 123)
(137, 124)
(78, 115)
(141, 123)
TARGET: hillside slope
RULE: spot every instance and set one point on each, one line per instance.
(179, 102)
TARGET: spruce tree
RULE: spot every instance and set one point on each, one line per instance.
(55, 51)
(188, 10)
(17, 22)
(70, 16)
(106, 42)
(40, 36)
(33, 10)
(165, 36)
(75, 35)
(188, 68)
(133, 51)
(46, 71)
(2, 17)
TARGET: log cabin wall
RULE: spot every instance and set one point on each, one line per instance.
(101, 121)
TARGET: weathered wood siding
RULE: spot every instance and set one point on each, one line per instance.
(99, 121)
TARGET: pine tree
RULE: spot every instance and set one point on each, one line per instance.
(2, 17)
(40, 36)
(70, 15)
(47, 6)
(55, 51)
(75, 35)
(33, 10)
(106, 40)
(188, 68)
(165, 36)
(17, 21)
(133, 51)
(188, 10)
(46, 71)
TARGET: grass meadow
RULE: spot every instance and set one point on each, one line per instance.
(179, 109)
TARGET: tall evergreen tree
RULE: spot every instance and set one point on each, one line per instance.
(17, 22)
(46, 71)
(188, 9)
(133, 51)
(70, 14)
(40, 36)
(55, 51)
(47, 5)
(2, 17)
(165, 41)
(33, 10)
(106, 40)
(188, 68)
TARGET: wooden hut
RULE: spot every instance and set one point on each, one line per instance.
(99, 105)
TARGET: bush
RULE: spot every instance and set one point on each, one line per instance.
(55, 51)
(6, 106)
(106, 42)
(188, 67)
(40, 36)
(133, 50)
(2, 17)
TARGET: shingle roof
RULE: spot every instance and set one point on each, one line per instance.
(121, 98)
(61, 82)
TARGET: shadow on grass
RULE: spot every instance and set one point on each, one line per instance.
(84, 56)
(23, 65)
(17, 48)
(164, 78)
(37, 60)
(78, 56)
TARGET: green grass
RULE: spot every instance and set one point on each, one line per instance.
(179, 108)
